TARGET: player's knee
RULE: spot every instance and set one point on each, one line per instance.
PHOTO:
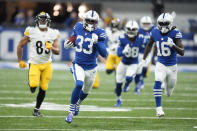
(41, 91)
(157, 85)
(44, 87)
(109, 71)
(129, 78)
(33, 84)
(79, 84)
(86, 90)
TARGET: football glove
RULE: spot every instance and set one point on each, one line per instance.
(94, 38)
(170, 42)
(48, 45)
(22, 64)
(68, 44)
(127, 51)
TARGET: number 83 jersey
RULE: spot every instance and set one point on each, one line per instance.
(166, 54)
(38, 53)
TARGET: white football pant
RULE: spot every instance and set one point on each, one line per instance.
(87, 76)
(167, 75)
(125, 70)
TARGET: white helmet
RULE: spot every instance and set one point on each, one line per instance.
(131, 28)
(115, 22)
(43, 20)
(164, 22)
(146, 23)
(90, 20)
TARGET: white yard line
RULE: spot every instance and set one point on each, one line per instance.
(192, 94)
(69, 130)
(99, 99)
(108, 117)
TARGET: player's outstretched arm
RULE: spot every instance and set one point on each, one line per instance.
(20, 46)
(102, 49)
(178, 46)
(148, 48)
(56, 47)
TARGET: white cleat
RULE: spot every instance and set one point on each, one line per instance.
(160, 112)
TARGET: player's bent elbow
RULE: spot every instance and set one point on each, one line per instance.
(56, 52)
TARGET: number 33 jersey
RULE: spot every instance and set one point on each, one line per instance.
(87, 49)
(166, 54)
(38, 53)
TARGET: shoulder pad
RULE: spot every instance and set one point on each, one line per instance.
(122, 36)
(28, 30)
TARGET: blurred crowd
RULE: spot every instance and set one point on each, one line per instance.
(65, 15)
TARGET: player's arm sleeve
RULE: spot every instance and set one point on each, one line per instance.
(75, 28)
(58, 35)
(27, 32)
(120, 48)
(179, 46)
(102, 48)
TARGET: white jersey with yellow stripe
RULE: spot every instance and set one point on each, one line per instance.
(113, 40)
(38, 53)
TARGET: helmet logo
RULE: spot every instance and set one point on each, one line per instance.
(92, 13)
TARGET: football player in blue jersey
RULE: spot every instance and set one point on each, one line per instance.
(90, 41)
(128, 48)
(168, 43)
(146, 26)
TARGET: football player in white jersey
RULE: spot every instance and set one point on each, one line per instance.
(113, 34)
(42, 41)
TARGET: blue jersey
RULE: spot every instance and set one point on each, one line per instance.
(86, 51)
(146, 35)
(134, 49)
(166, 54)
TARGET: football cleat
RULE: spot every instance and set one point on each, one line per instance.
(126, 88)
(159, 112)
(69, 117)
(137, 91)
(37, 113)
(76, 109)
(141, 85)
(118, 103)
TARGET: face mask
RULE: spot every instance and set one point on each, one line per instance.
(42, 26)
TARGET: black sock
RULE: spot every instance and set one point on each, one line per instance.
(40, 98)
(33, 89)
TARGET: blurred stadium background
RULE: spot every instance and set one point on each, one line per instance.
(139, 111)
(16, 15)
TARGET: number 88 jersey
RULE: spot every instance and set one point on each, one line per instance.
(37, 52)
(166, 54)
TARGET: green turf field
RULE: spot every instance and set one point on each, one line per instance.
(139, 110)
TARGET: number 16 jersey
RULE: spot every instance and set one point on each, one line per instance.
(166, 54)
(38, 53)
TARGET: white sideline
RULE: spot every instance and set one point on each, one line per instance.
(108, 117)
